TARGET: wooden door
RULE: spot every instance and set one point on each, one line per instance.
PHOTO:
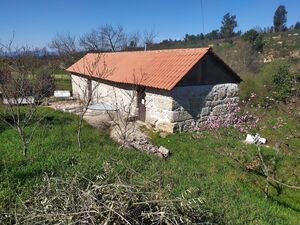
(141, 103)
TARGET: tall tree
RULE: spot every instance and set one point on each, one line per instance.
(114, 38)
(229, 23)
(92, 41)
(279, 19)
(297, 26)
(105, 38)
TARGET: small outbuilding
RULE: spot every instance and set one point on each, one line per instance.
(174, 90)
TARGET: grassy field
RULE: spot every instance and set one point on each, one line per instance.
(62, 81)
(229, 191)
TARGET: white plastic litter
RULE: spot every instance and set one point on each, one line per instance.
(250, 139)
(62, 94)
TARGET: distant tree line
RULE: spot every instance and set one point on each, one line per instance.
(106, 38)
(227, 31)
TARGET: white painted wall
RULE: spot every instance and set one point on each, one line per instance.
(119, 96)
(79, 84)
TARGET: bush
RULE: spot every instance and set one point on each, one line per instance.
(44, 83)
(275, 82)
(255, 39)
(282, 82)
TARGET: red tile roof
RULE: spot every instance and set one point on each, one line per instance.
(161, 69)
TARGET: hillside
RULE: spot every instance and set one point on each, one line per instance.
(283, 45)
(198, 162)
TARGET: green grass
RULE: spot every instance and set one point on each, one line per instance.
(229, 191)
(62, 81)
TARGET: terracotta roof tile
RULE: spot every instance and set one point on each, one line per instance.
(161, 69)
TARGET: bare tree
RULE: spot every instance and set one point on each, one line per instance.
(266, 167)
(125, 101)
(149, 37)
(106, 38)
(93, 70)
(92, 41)
(64, 43)
(114, 38)
(23, 81)
(66, 46)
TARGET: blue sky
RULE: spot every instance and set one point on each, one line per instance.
(35, 22)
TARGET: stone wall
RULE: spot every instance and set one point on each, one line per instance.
(186, 108)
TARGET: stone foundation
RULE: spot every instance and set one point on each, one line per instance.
(187, 108)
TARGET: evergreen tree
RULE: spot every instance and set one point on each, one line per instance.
(297, 26)
(279, 19)
(229, 23)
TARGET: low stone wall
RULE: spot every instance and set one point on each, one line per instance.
(187, 108)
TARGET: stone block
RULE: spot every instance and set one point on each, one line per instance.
(205, 111)
(165, 126)
(178, 116)
(164, 151)
(222, 94)
(163, 103)
(219, 110)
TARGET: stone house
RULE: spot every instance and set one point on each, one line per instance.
(173, 89)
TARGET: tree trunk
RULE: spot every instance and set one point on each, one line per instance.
(23, 140)
(24, 149)
(79, 133)
(80, 127)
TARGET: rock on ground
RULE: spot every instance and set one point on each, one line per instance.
(137, 139)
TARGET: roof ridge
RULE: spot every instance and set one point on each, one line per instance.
(152, 51)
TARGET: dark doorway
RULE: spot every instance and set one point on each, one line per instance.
(141, 103)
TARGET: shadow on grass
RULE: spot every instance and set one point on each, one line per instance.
(284, 204)
(3, 126)
(52, 119)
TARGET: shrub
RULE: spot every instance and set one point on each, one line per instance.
(255, 39)
(275, 82)
(44, 83)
